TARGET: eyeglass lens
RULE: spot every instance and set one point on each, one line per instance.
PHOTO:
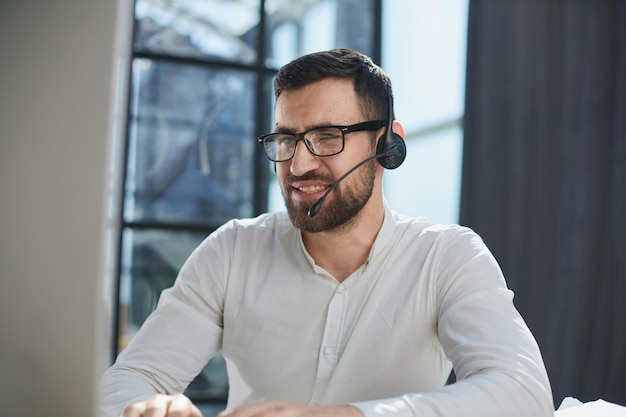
(323, 141)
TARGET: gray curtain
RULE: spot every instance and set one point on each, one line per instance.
(544, 176)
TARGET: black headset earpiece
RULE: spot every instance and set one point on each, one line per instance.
(390, 144)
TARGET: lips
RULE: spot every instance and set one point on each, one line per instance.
(310, 189)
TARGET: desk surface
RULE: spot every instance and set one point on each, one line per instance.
(598, 408)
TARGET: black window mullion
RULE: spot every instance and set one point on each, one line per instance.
(377, 24)
(206, 62)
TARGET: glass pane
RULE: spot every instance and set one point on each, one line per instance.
(429, 92)
(191, 140)
(151, 260)
(223, 30)
(298, 27)
(434, 164)
(428, 77)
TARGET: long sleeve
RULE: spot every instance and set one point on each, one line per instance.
(496, 359)
(505, 379)
(174, 343)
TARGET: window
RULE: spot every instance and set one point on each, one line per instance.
(200, 93)
(429, 90)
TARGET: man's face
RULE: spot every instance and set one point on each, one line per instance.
(305, 178)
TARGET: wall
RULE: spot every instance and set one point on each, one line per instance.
(62, 70)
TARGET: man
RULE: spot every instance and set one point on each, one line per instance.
(341, 307)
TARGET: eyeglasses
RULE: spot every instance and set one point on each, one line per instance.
(321, 141)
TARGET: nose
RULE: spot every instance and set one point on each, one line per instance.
(303, 160)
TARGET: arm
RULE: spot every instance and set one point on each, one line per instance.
(171, 348)
(174, 343)
(499, 368)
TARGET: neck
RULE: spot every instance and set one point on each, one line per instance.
(343, 251)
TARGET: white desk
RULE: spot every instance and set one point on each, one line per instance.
(598, 408)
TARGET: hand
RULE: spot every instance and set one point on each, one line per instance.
(163, 406)
(283, 409)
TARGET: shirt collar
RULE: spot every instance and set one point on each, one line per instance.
(380, 243)
(384, 234)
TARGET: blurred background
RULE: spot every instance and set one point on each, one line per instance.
(128, 135)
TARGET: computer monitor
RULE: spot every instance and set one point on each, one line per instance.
(61, 83)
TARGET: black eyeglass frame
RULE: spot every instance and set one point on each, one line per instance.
(370, 125)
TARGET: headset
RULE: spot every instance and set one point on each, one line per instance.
(390, 153)
(391, 147)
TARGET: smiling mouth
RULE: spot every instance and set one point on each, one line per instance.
(311, 189)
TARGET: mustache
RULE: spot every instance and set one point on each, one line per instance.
(309, 176)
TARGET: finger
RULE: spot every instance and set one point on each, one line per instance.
(156, 406)
(181, 406)
(134, 410)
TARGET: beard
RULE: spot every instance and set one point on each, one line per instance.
(337, 212)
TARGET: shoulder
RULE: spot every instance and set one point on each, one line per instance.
(456, 257)
(262, 224)
(252, 231)
(445, 244)
(243, 238)
(422, 228)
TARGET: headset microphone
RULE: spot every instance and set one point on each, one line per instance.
(390, 152)
(315, 208)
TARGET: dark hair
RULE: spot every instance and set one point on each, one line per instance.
(371, 83)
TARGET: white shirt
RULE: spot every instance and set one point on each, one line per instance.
(428, 297)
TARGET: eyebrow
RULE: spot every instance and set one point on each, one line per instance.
(279, 129)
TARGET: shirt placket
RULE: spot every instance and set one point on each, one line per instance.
(329, 348)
